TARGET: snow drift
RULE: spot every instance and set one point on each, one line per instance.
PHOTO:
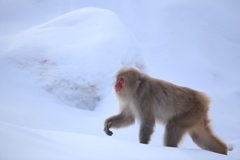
(189, 43)
(76, 55)
(28, 144)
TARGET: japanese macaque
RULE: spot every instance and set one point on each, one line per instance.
(150, 100)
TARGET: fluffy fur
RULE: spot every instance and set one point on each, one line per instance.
(151, 100)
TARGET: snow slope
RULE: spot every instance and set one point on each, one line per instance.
(72, 56)
(27, 144)
(67, 61)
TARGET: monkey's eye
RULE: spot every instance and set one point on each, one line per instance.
(120, 79)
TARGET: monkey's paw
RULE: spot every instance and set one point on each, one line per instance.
(108, 132)
(106, 129)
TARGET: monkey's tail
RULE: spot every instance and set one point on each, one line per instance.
(230, 147)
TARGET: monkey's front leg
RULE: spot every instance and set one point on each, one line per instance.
(117, 121)
(114, 122)
(107, 125)
(146, 130)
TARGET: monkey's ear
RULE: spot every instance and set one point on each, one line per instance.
(140, 78)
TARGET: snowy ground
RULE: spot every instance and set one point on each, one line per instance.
(58, 60)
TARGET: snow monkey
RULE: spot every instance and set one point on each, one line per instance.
(150, 100)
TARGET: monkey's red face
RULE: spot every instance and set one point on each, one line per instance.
(119, 83)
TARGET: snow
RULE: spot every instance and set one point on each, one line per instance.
(58, 60)
(39, 144)
(67, 71)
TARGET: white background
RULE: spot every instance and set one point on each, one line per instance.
(58, 60)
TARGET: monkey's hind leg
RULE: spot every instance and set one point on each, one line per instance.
(173, 134)
(203, 136)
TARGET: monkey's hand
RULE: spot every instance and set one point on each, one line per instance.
(108, 124)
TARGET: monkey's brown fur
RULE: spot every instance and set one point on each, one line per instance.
(152, 100)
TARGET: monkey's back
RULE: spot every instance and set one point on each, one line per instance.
(171, 100)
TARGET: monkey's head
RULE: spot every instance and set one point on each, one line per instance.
(127, 80)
